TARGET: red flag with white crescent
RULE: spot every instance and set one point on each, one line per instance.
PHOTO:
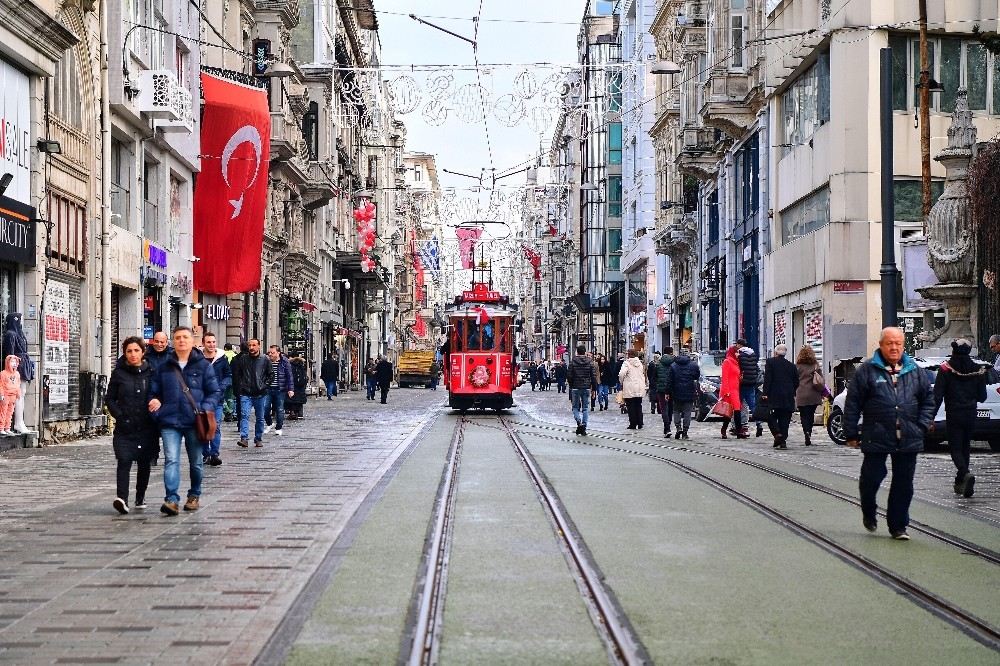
(230, 197)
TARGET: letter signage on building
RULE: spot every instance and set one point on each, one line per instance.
(15, 132)
(17, 232)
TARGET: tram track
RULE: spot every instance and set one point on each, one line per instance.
(621, 642)
(989, 555)
(973, 626)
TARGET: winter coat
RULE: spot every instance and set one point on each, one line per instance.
(532, 374)
(748, 366)
(223, 372)
(251, 375)
(781, 380)
(652, 375)
(137, 436)
(729, 390)
(383, 374)
(175, 409)
(682, 379)
(286, 381)
(608, 374)
(300, 380)
(908, 406)
(155, 358)
(560, 372)
(961, 385)
(582, 373)
(663, 373)
(15, 343)
(330, 370)
(805, 394)
(371, 370)
(633, 378)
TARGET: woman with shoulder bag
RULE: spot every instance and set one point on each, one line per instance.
(729, 394)
(136, 438)
(809, 392)
(634, 386)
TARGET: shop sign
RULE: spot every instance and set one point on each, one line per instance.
(848, 287)
(17, 232)
(148, 332)
(181, 283)
(661, 315)
(15, 132)
(217, 312)
(154, 255)
(57, 308)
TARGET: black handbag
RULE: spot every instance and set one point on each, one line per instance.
(762, 412)
(204, 422)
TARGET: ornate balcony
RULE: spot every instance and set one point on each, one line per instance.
(731, 102)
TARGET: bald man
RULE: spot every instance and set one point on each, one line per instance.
(897, 402)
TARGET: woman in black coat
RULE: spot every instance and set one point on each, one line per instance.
(300, 381)
(136, 438)
(781, 379)
(961, 385)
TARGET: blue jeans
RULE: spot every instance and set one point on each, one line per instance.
(331, 387)
(748, 396)
(873, 471)
(258, 404)
(602, 395)
(172, 462)
(275, 402)
(212, 448)
(370, 386)
(581, 405)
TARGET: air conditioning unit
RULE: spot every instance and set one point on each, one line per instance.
(156, 94)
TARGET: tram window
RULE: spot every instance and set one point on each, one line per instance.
(488, 336)
(472, 336)
(503, 342)
(458, 336)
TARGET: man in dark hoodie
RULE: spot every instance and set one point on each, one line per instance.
(682, 378)
(961, 385)
(651, 373)
(660, 378)
(582, 377)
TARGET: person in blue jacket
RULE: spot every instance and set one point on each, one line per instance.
(224, 375)
(185, 377)
(897, 402)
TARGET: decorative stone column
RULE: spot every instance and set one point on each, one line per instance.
(951, 244)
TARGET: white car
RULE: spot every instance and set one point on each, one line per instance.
(987, 426)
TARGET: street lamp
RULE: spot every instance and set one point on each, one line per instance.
(347, 283)
(665, 67)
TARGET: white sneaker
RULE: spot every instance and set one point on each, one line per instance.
(267, 429)
(278, 433)
(120, 505)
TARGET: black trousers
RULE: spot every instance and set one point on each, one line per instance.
(385, 393)
(808, 415)
(780, 420)
(873, 471)
(141, 479)
(634, 407)
(960, 441)
(666, 407)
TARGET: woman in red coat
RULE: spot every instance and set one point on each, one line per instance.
(729, 391)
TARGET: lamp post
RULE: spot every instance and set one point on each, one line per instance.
(888, 269)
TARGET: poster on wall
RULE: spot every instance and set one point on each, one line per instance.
(57, 341)
(15, 131)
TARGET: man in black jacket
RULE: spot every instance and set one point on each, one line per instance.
(681, 382)
(961, 385)
(252, 375)
(582, 377)
(780, 381)
(329, 372)
(749, 379)
(896, 399)
(383, 376)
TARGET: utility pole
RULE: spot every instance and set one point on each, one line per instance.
(888, 270)
(925, 117)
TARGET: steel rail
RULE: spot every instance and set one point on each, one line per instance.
(974, 627)
(621, 641)
(425, 644)
(989, 555)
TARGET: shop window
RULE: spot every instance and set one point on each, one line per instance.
(806, 215)
(68, 239)
(907, 196)
(614, 196)
(615, 143)
(805, 106)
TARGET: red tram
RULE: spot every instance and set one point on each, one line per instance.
(480, 356)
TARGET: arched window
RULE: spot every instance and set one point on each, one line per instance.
(66, 91)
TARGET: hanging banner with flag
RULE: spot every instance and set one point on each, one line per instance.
(535, 260)
(429, 255)
(230, 196)
(420, 327)
(467, 239)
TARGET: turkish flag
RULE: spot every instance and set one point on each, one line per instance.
(230, 196)
(467, 245)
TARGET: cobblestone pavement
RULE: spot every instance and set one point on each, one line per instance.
(81, 584)
(935, 471)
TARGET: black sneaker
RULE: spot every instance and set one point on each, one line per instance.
(583, 430)
(870, 524)
(139, 503)
(121, 506)
(901, 535)
(214, 461)
(579, 429)
(969, 487)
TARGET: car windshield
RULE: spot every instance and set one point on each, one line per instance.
(710, 364)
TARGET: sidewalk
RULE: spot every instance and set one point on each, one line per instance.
(80, 582)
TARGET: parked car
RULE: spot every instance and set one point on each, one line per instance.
(987, 427)
(710, 364)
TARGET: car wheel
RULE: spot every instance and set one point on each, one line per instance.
(835, 426)
(994, 444)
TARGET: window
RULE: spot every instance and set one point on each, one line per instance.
(713, 217)
(538, 294)
(121, 177)
(559, 280)
(68, 243)
(614, 249)
(614, 196)
(65, 89)
(805, 106)
(615, 90)
(418, 173)
(615, 143)
(953, 63)
(736, 38)
(634, 147)
(806, 215)
(604, 8)
(747, 182)
(907, 196)
(150, 209)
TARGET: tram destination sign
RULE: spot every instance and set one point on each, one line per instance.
(480, 292)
